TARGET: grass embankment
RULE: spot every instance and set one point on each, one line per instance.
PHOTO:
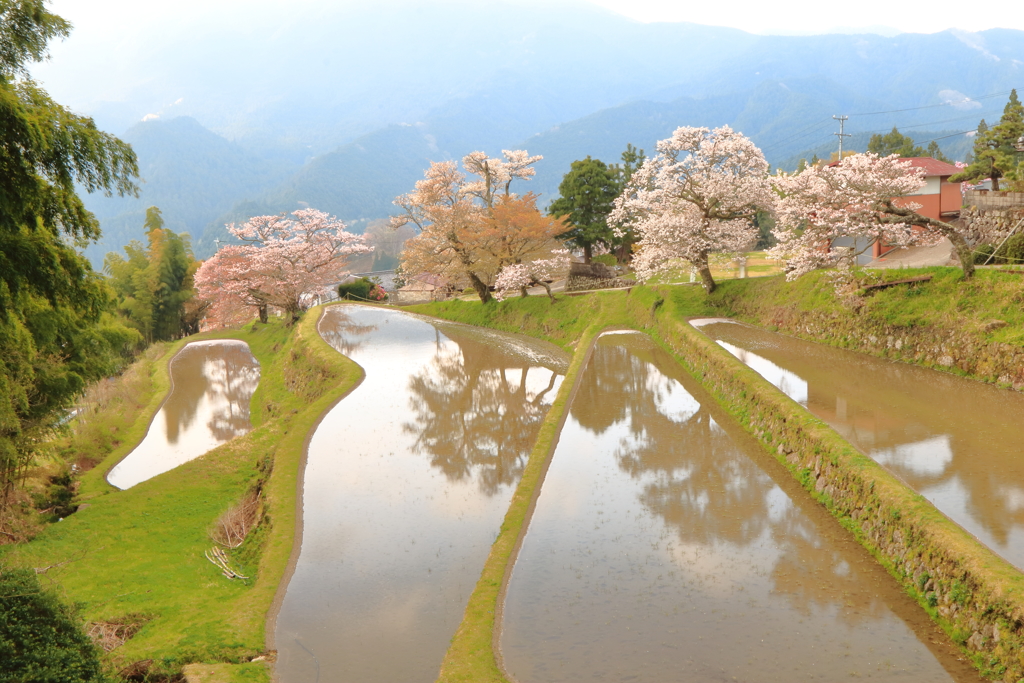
(137, 555)
(976, 596)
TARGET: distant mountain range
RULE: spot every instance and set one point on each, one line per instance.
(353, 118)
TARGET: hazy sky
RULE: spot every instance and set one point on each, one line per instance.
(755, 16)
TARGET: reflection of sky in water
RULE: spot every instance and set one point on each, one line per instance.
(212, 383)
(954, 440)
(930, 457)
(658, 546)
(405, 487)
(790, 383)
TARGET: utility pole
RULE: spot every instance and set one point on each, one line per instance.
(841, 134)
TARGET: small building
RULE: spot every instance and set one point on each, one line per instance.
(939, 198)
(423, 287)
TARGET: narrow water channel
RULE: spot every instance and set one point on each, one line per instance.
(406, 484)
(667, 546)
(211, 385)
(955, 441)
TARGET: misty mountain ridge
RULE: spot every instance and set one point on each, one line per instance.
(562, 84)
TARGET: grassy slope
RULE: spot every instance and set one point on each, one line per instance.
(141, 550)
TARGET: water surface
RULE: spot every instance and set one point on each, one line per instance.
(407, 481)
(212, 383)
(954, 440)
(666, 546)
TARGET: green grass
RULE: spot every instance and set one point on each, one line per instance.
(140, 551)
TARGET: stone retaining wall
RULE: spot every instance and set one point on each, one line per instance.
(991, 226)
(976, 596)
(583, 276)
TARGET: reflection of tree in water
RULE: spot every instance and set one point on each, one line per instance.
(474, 414)
(226, 375)
(232, 380)
(702, 485)
(342, 332)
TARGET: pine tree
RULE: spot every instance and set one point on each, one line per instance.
(586, 195)
(995, 153)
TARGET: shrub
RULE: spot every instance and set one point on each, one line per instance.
(41, 639)
(982, 253)
(358, 290)
(1012, 251)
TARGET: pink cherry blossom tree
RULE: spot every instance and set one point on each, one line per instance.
(697, 196)
(863, 199)
(517, 277)
(282, 262)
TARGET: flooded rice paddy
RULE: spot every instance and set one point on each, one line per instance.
(405, 487)
(956, 441)
(666, 545)
(211, 385)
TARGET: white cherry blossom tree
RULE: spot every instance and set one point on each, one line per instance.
(516, 277)
(697, 196)
(864, 198)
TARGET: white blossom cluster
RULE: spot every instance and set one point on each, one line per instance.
(698, 195)
(518, 276)
(852, 200)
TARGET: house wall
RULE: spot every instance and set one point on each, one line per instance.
(930, 203)
(950, 197)
(931, 185)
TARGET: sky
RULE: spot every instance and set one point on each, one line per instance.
(786, 17)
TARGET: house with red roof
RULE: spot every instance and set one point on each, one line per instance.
(939, 198)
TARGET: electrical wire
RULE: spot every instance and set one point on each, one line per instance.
(932, 106)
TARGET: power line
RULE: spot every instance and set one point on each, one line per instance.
(932, 106)
(814, 128)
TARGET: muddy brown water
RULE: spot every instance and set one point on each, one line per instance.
(667, 546)
(212, 383)
(406, 484)
(956, 441)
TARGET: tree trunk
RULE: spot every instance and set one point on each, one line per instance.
(547, 289)
(480, 287)
(964, 252)
(588, 252)
(706, 279)
(263, 313)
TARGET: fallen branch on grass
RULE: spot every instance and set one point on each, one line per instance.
(220, 560)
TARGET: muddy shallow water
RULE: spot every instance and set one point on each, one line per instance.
(956, 441)
(406, 484)
(212, 383)
(666, 545)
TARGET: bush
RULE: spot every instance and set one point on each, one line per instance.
(1012, 251)
(607, 259)
(41, 639)
(982, 252)
(358, 290)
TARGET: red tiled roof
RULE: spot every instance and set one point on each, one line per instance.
(933, 166)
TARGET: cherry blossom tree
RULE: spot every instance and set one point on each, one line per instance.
(282, 262)
(471, 224)
(697, 196)
(516, 277)
(865, 198)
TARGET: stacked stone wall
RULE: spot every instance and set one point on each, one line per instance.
(990, 217)
(583, 276)
(975, 595)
